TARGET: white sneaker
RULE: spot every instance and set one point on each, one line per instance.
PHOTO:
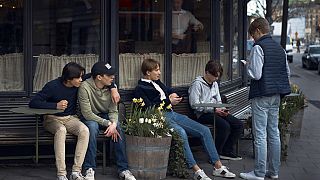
(76, 176)
(250, 176)
(62, 177)
(200, 175)
(223, 172)
(126, 175)
(268, 175)
(89, 174)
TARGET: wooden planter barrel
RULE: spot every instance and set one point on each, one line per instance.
(148, 157)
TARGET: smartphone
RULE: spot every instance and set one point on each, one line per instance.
(243, 61)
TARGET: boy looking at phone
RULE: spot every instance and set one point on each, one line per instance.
(205, 89)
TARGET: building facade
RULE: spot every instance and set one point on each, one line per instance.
(37, 38)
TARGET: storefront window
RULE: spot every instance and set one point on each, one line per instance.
(190, 40)
(64, 31)
(224, 39)
(139, 38)
(11, 46)
(235, 45)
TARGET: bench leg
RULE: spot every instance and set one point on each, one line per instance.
(237, 147)
(37, 139)
(104, 159)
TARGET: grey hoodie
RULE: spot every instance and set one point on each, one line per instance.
(200, 92)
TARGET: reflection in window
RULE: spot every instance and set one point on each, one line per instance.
(64, 31)
(224, 39)
(139, 38)
(11, 46)
(190, 40)
(235, 47)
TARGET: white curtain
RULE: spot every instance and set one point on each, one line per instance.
(11, 72)
(130, 65)
(50, 67)
(186, 67)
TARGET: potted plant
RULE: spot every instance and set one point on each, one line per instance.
(290, 117)
(148, 141)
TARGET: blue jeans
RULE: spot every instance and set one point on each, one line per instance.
(183, 126)
(265, 118)
(120, 146)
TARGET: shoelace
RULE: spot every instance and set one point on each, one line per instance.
(79, 176)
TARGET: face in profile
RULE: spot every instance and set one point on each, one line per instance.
(75, 82)
(154, 74)
(107, 79)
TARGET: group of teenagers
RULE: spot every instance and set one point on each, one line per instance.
(96, 95)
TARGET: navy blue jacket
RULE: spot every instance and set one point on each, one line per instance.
(53, 92)
(274, 79)
(150, 95)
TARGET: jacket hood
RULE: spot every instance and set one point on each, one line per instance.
(200, 79)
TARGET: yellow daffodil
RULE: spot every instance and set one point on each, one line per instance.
(134, 100)
(169, 106)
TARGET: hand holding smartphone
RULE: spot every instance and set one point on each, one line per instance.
(243, 61)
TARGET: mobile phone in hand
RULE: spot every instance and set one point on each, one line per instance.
(243, 61)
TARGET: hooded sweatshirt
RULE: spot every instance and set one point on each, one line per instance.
(201, 92)
(94, 101)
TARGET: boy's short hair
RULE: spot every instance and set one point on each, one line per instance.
(149, 65)
(260, 23)
(72, 70)
(214, 68)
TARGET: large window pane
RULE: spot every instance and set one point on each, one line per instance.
(235, 45)
(225, 39)
(64, 31)
(190, 39)
(139, 38)
(11, 46)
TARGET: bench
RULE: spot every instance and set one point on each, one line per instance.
(242, 111)
(20, 129)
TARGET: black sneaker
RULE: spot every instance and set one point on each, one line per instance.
(230, 156)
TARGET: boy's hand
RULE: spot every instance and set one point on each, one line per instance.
(62, 105)
(174, 98)
(115, 96)
(222, 112)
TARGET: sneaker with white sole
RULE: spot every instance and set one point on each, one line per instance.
(126, 175)
(223, 172)
(250, 176)
(76, 176)
(200, 175)
(89, 174)
(62, 177)
(270, 176)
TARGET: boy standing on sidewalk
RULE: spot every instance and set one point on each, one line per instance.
(269, 71)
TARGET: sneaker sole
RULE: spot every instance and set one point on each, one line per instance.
(230, 158)
(218, 175)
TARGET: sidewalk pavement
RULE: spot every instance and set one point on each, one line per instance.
(303, 161)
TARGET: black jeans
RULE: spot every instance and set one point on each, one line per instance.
(228, 131)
